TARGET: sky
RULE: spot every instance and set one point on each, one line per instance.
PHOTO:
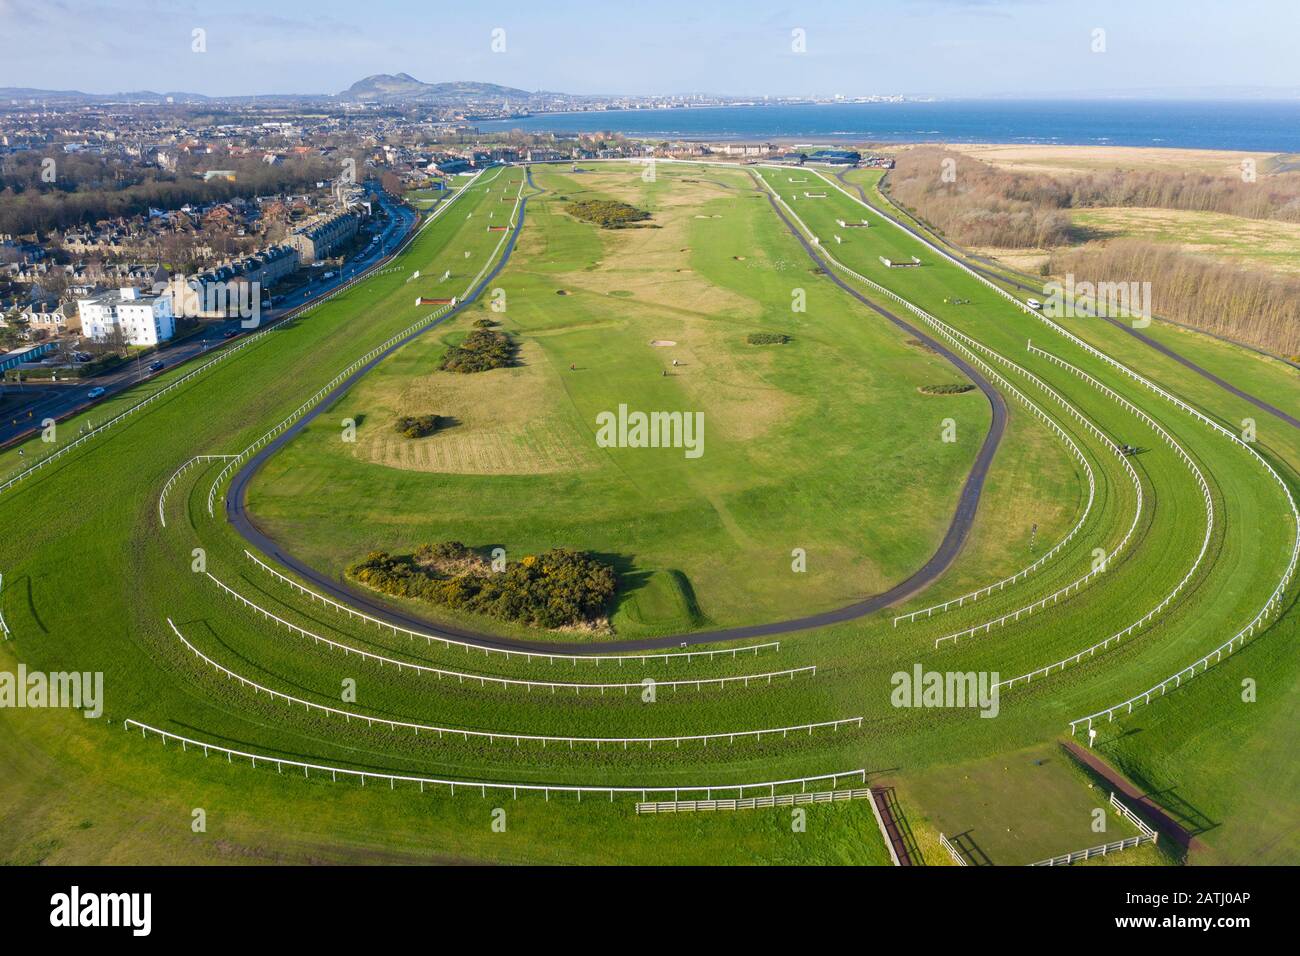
(943, 48)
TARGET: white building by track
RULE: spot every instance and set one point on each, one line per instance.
(142, 319)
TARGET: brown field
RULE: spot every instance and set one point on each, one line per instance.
(522, 436)
(1234, 239)
(1092, 159)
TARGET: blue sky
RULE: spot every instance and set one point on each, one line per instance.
(916, 47)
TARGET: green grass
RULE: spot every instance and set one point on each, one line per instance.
(726, 523)
(1016, 808)
(90, 575)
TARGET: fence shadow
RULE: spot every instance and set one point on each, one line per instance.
(972, 851)
(905, 844)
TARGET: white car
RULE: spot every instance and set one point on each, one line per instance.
(1033, 303)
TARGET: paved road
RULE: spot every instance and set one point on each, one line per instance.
(973, 261)
(949, 548)
(63, 399)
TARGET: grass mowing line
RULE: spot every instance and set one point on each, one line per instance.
(166, 489)
(1075, 585)
(264, 543)
(1186, 458)
(485, 679)
(307, 405)
(987, 589)
(374, 353)
(225, 353)
(1275, 598)
(484, 785)
(957, 338)
(1205, 543)
(166, 389)
(494, 736)
(450, 642)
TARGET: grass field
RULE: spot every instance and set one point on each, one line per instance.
(1232, 239)
(521, 468)
(824, 443)
(1050, 159)
(1055, 813)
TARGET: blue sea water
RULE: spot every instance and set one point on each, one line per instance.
(1246, 125)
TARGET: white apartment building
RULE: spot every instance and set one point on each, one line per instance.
(142, 319)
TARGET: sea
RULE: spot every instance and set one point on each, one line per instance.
(1254, 125)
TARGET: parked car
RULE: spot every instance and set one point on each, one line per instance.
(96, 392)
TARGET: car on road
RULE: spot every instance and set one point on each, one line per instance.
(96, 392)
(1034, 304)
(229, 333)
(328, 275)
(156, 366)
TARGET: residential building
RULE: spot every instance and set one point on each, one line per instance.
(320, 240)
(140, 319)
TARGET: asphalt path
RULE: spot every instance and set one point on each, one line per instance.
(59, 400)
(958, 530)
(973, 261)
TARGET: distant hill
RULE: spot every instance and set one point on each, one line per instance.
(22, 95)
(402, 87)
(380, 88)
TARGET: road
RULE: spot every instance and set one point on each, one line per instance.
(63, 399)
(951, 545)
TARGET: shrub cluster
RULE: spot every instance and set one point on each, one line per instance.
(483, 349)
(417, 426)
(767, 338)
(955, 389)
(559, 588)
(607, 214)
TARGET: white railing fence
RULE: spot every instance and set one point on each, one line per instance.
(508, 682)
(504, 736)
(4, 628)
(1146, 835)
(483, 786)
(754, 803)
(1273, 602)
(375, 353)
(957, 857)
(226, 351)
(167, 487)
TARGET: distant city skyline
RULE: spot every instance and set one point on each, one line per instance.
(939, 48)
